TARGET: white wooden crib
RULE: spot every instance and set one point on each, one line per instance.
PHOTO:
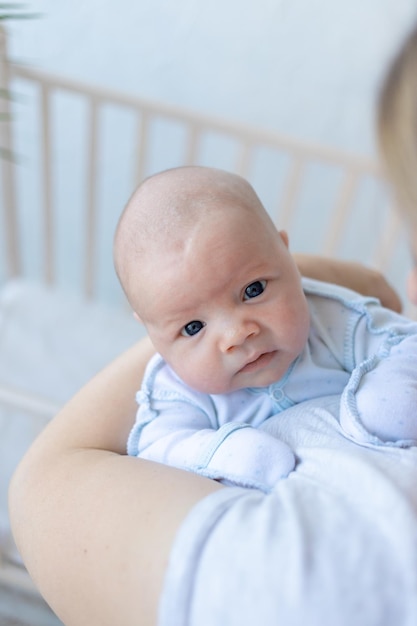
(63, 186)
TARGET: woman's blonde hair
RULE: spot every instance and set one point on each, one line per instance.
(397, 127)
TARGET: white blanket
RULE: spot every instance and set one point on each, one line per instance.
(335, 544)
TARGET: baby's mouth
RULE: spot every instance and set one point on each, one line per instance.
(259, 362)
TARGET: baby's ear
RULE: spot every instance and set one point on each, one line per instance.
(137, 318)
(284, 236)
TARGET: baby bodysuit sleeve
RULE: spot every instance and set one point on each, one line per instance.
(379, 403)
(180, 427)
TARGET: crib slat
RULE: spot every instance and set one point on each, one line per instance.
(244, 159)
(142, 147)
(385, 249)
(341, 212)
(291, 191)
(91, 216)
(49, 272)
(12, 244)
(11, 240)
(192, 143)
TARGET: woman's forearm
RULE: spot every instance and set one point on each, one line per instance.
(364, 280)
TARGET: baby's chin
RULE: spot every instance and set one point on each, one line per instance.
(217, 388)
(210, 388)
(243, 381)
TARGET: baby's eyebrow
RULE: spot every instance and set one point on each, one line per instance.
(181, 317)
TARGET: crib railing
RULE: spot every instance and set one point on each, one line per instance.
(314, 192)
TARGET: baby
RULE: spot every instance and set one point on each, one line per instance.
(240, 336)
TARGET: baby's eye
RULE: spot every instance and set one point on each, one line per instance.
(254, 289)
(192, 328)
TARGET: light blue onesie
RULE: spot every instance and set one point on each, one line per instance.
(356, 349)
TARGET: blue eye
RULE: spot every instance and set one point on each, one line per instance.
(254, 289)
(192, 328)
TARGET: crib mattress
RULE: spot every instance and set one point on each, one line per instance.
(51, 343)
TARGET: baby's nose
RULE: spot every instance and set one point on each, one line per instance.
(234, 335)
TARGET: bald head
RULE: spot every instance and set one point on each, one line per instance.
(169, 207)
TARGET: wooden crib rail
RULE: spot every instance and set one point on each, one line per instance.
(291, 204)
(6, 165)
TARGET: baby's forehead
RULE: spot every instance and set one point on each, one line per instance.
(174, 206)
(185, 189)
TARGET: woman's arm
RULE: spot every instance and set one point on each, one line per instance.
(367, 281)
(94, 527)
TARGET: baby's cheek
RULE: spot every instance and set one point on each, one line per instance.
(207, 379)
(199, 368)
(190, 370)
(295, 330)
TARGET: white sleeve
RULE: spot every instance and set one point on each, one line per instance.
(379, 402)
(176, 427)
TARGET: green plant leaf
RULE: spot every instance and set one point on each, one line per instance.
(8, 155)
(11, 11)
(19, 16)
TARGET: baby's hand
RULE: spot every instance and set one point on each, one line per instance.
(380, 399)
(251, 458)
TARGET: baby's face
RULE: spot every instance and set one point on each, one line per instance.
(228, 311)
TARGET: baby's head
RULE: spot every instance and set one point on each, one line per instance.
(207, 272)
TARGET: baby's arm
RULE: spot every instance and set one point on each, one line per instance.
(182, 432)
(379, 403)
(235, 454)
